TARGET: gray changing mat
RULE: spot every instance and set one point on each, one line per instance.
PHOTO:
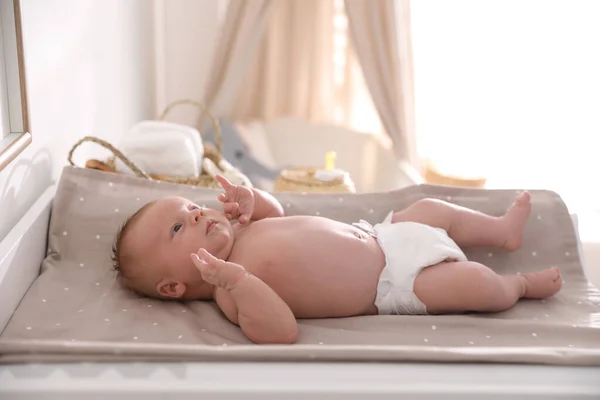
(75, 311)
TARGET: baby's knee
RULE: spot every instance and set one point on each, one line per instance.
(428, 202)
(428, 211)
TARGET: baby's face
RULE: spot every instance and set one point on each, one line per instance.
(173, 228)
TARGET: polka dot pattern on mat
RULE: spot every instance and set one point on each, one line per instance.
(498, 256)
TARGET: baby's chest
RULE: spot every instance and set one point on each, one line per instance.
(293, 253)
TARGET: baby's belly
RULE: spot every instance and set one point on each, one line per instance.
(320, 268)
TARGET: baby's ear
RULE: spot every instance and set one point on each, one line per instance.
(169, 288)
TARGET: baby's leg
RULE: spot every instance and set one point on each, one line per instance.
(457, 287)
(472, 228)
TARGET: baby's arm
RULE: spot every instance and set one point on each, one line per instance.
(247, 204)
(266, 206)
(247, 301)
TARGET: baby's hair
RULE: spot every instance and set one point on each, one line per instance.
(117, 256)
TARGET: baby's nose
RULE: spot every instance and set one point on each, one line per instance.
(197, 214)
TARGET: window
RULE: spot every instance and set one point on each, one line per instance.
(510, 89)
(4, 116)
(354, 106)
(14, 123)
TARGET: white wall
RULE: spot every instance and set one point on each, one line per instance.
(186, 34)
(90, 71)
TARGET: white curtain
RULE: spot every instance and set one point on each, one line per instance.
(241, 33)
(283, 58)
(293, 72)
(380, 31)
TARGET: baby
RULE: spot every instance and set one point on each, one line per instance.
(268, 269)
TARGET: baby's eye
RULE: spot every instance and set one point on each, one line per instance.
(176, 228)
(194, 207)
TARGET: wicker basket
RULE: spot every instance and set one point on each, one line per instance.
(303, 180)
(211, 152)
(433, 176)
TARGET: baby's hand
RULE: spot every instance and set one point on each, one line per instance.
(238, 201)
(217, 272)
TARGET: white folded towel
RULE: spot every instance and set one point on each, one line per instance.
(164, 148)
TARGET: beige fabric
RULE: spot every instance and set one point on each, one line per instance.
(76, 311)
(305, 66)
(293, 71)
(380, 31)
(241, 34)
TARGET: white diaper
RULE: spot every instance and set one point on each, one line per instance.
(408, 247)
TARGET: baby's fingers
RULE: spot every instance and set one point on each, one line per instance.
(230, 208)
(203, 257)
(222, 197)
(224, 182)
(244, 219)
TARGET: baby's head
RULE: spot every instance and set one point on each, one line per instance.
(152, 249)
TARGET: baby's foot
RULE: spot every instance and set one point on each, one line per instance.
(515, 219)
(542, 284)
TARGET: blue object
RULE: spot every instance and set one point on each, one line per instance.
(237, 154)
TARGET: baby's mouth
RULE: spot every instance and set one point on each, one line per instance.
(210, 226)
